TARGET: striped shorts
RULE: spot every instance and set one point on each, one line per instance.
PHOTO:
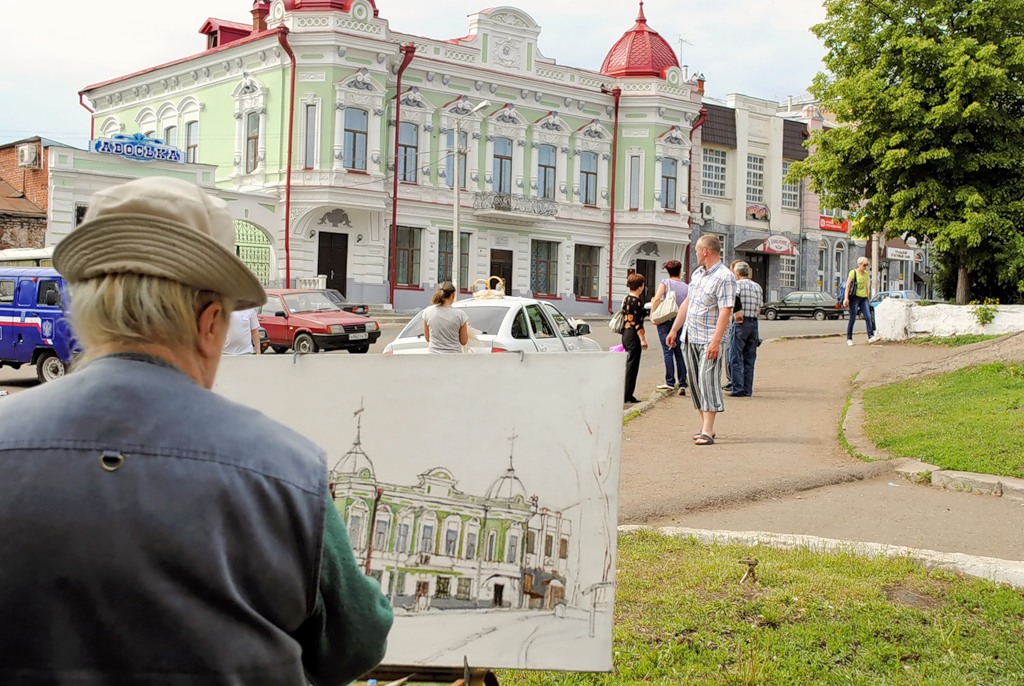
(705, 378)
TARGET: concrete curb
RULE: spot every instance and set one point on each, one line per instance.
(1010, 572)
(919, 472)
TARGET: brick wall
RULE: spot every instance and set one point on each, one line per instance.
(21, 232)
(33, 182)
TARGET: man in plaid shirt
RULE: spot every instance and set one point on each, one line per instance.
(743, 346)
(706, 313)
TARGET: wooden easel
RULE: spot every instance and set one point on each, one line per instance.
(430, 676)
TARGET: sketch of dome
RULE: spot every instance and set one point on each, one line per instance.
(508, 486)
(354, 463)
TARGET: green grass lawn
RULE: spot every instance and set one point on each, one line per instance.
(682, 617)
(970, 420)
(952, 341)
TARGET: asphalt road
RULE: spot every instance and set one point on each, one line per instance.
(651, 365)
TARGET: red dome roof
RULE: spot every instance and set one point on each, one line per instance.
(640, 52)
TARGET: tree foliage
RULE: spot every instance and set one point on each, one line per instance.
(929, 95)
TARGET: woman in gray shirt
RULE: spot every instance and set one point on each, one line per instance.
(445, 328)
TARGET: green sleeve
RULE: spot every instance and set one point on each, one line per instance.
(345, 637)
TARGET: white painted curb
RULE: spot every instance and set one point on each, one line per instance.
(1009, 572)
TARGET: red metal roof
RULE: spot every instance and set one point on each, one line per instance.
(640, 52)
(323, 5)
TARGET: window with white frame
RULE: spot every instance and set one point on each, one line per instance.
(444, 257)
(588, 178)
(354, 154)
(192, 141)
(790, 191)
(252, 141)
(544, 268)
(449, 162)
(407, 257)
(713, 184)
(669, 174)
(634, 181)
(586, 277)
(502, 178)
(755, 178)
(546, 167)
(309, 131)
(171, 135)
(787, 271)
(408, 151)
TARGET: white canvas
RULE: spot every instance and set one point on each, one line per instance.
(495, 533)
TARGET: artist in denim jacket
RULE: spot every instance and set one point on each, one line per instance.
(152, 532)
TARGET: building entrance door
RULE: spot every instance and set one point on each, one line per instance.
(332, 260)
(759, 270)
(649, 270)
(499, 595)
(501, 265)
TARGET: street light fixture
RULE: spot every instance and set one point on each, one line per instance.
(457, 187)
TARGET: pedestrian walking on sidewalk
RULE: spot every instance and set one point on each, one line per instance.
(634, 339)
(706, 313)
(445, 328)
(857, 294)
(237, 567)
(727, 340)
(745, 334)
(243, 333)
(675, 368)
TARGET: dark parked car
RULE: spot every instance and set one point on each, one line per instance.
(803, 304)
(340, 301)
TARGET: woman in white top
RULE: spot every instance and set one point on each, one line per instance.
(445, 328)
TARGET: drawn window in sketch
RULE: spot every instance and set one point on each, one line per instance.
(471, 545)
(563, 549)
(512, 554)
(465, 589)
(402, 539)
(396, 583)
(444, 586)
(520, 329)
(492, 540)
(452, 525)
(380, 532)
(549, 543)
(355, 529)
(531, 542)
(427, 539)
(539, 323)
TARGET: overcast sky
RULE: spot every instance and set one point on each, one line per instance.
(51, 50)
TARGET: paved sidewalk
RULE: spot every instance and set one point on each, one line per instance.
(777, 464)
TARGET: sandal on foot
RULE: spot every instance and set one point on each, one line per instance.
(698, 435)
(704, 439)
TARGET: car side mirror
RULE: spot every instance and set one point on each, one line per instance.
(583, 329)
(281, 313)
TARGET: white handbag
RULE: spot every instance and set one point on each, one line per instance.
(618, 321)
(667, 309)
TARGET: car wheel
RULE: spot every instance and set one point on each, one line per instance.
(770, 314)
(360, 349)
(819, 315)
(304, 343)
(49, 367)
(279, 349)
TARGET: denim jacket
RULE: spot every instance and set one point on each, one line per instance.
(153, 532)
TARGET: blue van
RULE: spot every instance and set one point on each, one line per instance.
(33, 324)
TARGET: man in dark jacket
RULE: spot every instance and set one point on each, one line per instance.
(152, 532)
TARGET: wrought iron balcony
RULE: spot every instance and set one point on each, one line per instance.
(511, 208)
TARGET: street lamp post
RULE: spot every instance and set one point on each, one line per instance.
(458, 153)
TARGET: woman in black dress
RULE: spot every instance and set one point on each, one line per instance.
(634, 339)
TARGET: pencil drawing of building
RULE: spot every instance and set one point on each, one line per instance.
(433, 546)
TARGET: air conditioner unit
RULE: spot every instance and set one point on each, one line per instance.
(707, 211)
(28, 156)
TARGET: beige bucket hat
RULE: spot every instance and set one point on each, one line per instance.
(162, 227)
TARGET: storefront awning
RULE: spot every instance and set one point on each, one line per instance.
(772, 245)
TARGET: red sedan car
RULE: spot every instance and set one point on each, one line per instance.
(309, 321)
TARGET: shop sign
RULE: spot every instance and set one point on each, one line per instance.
(833, 224)
(137, 147)
(778, 244)
(899, 254)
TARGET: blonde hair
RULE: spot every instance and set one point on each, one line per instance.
(134, 309)
(863, 260)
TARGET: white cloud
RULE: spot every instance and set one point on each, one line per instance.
(52, 50)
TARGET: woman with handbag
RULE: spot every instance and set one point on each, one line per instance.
(671, 293)
(634, 340)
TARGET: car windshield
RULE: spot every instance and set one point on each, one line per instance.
(336, 296)
(313, 301)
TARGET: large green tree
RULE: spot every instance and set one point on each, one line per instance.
(929, 95)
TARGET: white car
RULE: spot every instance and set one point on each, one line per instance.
(506, 324)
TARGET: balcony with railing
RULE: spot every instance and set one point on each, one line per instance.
(513, 209)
